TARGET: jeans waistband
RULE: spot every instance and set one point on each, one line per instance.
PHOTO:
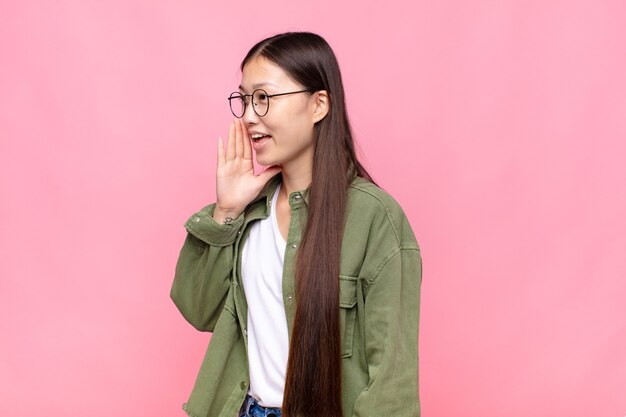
(252, 408)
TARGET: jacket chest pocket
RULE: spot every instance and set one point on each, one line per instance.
(347, 313)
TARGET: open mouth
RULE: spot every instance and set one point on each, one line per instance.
(257, 137)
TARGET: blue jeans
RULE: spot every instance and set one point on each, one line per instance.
(251, 408)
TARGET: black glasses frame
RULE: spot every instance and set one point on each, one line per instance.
(242, 97)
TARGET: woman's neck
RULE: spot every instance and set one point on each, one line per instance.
(294, 182)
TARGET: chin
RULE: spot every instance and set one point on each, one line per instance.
(265, 162)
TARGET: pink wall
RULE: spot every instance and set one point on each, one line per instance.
(499, 126)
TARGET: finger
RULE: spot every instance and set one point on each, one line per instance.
(220, 152)
(230, 148)
(247, 147)
(239, 141)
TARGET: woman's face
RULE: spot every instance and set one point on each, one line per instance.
(288, 126)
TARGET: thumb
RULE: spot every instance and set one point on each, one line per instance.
(269, 173)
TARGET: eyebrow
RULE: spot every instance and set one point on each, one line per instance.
(258, 85)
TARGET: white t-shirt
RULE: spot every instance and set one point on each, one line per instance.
(268, 339)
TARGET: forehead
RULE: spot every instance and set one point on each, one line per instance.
(261, 73)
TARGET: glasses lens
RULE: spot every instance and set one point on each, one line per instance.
(237, 105)
(261, 102)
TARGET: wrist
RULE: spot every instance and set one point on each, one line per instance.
(225, 216)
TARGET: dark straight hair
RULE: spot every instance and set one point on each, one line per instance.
(313, 381)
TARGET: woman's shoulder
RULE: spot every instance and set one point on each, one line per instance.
(370, 204)
(366, 194)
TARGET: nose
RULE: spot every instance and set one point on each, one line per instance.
(249, 115)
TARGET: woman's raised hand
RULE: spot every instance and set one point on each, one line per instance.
(236, 183)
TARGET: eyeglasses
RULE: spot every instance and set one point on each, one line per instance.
(260, 101)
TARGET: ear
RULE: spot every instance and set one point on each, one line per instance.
(321, 105)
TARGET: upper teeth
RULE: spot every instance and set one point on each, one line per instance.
(257, 136)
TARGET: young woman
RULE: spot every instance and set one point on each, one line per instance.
(308, 274)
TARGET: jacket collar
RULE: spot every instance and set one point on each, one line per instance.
(267, 192)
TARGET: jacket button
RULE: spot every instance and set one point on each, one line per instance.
(294, 245)
(243, 385)
(297, 197)
(196, 219)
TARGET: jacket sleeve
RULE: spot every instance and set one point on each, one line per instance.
(392, 305)
(204, 267)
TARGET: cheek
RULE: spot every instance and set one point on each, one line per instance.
(289, 123)
(287, 120)
(294, 110)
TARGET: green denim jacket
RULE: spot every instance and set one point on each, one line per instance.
(380, 279)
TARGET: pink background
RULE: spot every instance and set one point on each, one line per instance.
(499, 126)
